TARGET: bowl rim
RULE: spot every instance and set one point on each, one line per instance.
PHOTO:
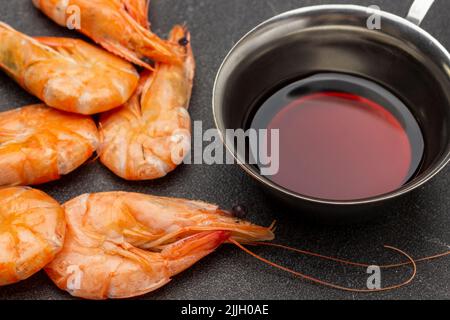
(438, 167)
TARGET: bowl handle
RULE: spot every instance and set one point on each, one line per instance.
(419, 10)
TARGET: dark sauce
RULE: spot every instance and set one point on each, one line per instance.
(341, 137)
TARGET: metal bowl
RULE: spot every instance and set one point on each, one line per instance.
(400, 56)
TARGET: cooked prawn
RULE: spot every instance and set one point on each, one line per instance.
(120, 26)
(31, 232)
(67, 74)
(39, 144)
(122, 245)
(151, 134)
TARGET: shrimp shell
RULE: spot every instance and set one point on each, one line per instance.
(121, 245)
(39, 144)
(120, 26)
(67, 74)
(151, 134)
(31, 232)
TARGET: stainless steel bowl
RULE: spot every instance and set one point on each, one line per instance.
(335, 38)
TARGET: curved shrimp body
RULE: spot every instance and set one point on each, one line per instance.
(126, 244)
(119, 26)
(151, 134)
(31, 232)
(39, 144)
(67, 74)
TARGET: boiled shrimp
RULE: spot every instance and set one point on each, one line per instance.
(120, 26)
(151, 134)
(38, 144)
(32, 230)
(67, 74)
(121, 245)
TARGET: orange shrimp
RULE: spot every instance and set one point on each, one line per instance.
(120, 26)
(39, 144)
(121, 245)
(67, 74)
(151, 134)
(31, 232)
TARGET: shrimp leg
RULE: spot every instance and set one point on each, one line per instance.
(138, 10)
(120, 26)
(120, 271)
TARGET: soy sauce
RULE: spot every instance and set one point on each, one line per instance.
(341, 137)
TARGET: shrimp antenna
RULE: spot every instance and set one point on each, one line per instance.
(438, 256)
(347, 262)
(329, 284)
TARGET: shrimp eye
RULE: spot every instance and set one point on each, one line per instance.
(239, 211)
(183, 42)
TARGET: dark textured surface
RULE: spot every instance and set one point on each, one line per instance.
(419, 224)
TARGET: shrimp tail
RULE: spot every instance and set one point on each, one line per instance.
(120, 26)
(184, 253)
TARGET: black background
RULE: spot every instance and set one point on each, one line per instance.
(419, 224)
